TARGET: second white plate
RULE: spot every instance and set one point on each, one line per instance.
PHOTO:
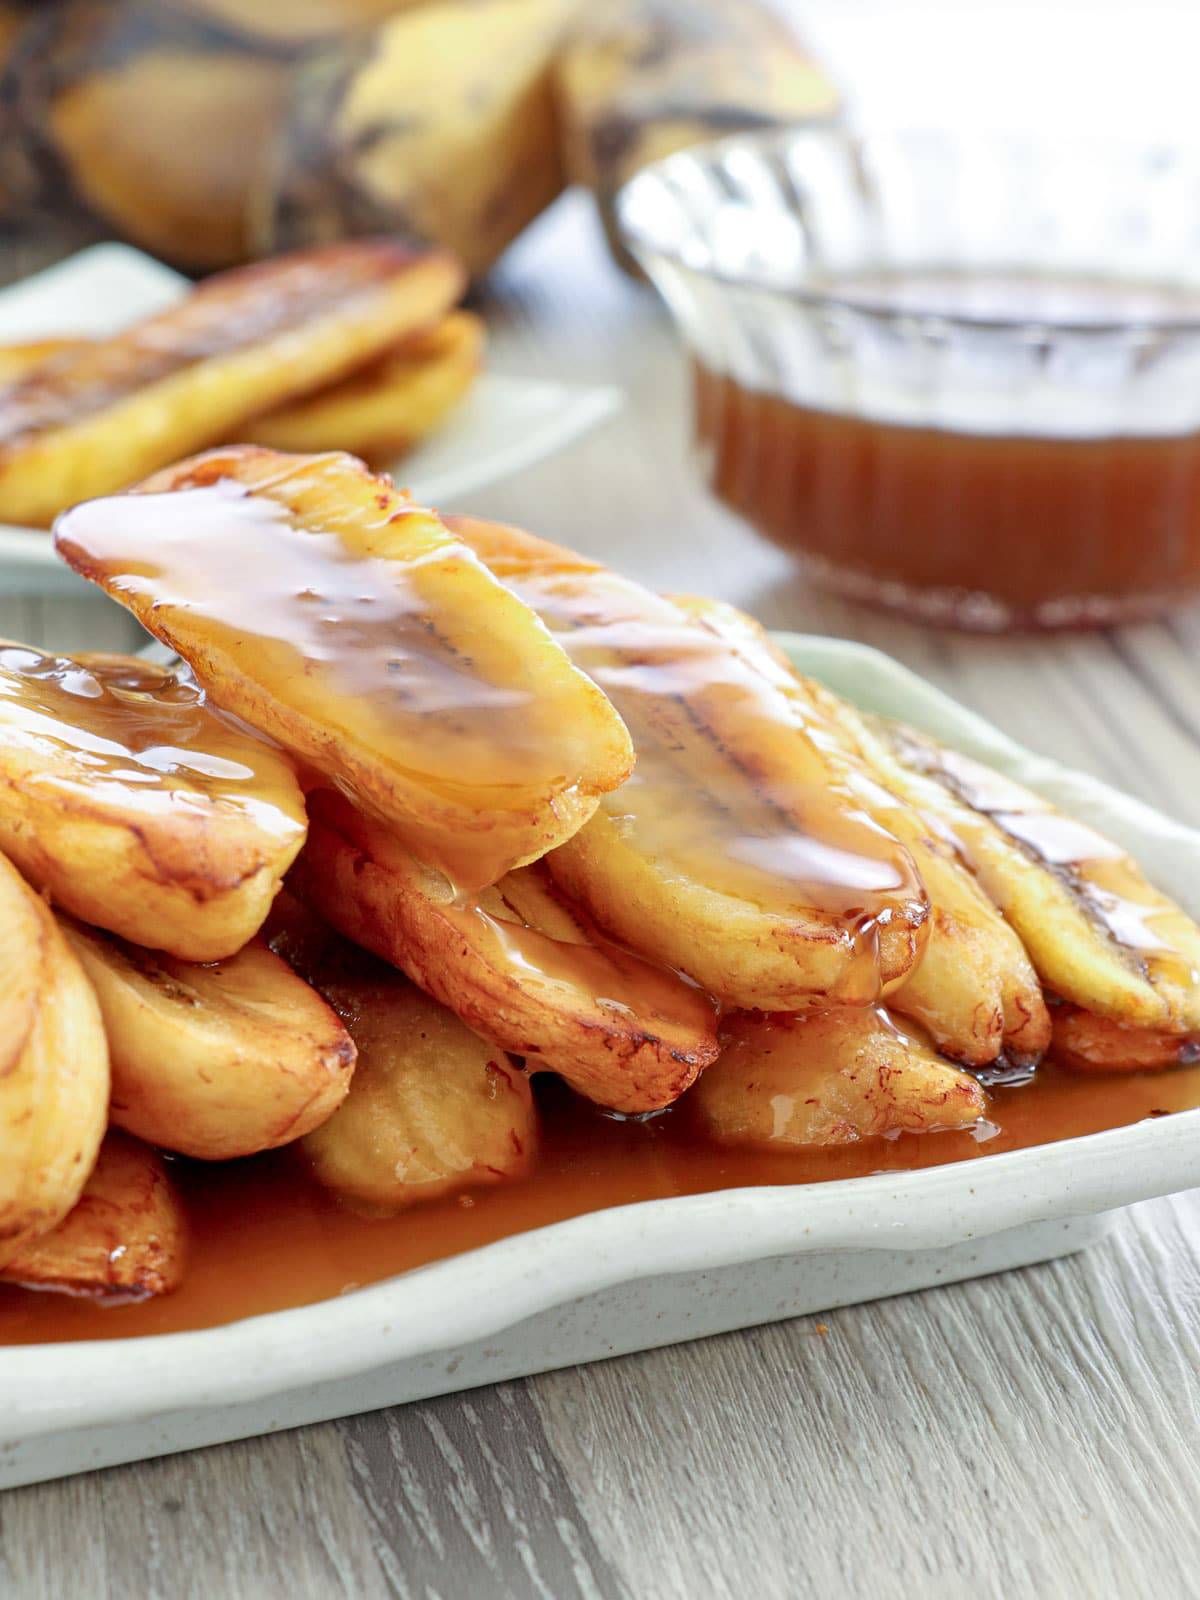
(503, 426)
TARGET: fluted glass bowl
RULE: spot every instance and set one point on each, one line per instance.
(959, 377)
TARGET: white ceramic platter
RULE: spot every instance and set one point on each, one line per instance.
(636, 1276)
(504, 425)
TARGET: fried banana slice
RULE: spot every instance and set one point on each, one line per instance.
(830, 1078)
(734, 854)
(433, 1108)
(214, 1061)
(520, 966)
(367, 639)
(18, 359)
(1085, 1042)
(125, 1238)
(53, 1069)
(1099, 935)
(98, 418)
(974, 989)
(129, 802)
(381, 411)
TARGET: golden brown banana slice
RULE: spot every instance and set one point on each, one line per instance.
(1088, 1043)
(520, 966)
(214, 1061)
(829, 1078)
(367, 639)
(1098, 933)
(381, 411)
(125, 1238)
(433, 1108)
(18, 359)
(53, 1069)
(974, 989)
(135, 807)
(734, 854)
(98, 418)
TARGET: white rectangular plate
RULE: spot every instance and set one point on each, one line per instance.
(635, 1276)
(504, 425)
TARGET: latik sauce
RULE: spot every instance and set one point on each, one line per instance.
(264, 1236)
(1011, 529)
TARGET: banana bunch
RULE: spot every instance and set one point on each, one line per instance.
(210, 132)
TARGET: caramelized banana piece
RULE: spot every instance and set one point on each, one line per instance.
(381, 411)
(829, 1078)
(1088, 1043)
(129, 802)
(18, 359)
(367, 639)
(124, 1240)
(1098, 933)
(974, 989)
(214, 1061)
(433, 1108)
(735, 853)
(98, 418)
(53, 1069)
(520, 966)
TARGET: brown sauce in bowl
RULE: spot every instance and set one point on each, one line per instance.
(1016, 526)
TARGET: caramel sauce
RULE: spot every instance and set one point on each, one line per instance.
(1107, 883)
(230, 312)
(390, 658)
(119, 726)
(1002, 529)
(265, 1237)
(599, 972)
(731, 787)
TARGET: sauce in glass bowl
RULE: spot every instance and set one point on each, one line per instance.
(957, 378)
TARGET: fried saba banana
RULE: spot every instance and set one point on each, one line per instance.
(830, 1078)
(735, 853)
(124, 1239)
(53, 1069)
(214, 1061)
(133, 806)
(368, 640)
(1098, 933)
(381, 411)
(95, 419)
(974, 989)
(520, 965)
(433, 1108)
(1085, 1042)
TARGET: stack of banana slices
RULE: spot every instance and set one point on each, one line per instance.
(532, 818)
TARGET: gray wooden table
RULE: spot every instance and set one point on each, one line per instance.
(1035, 1432)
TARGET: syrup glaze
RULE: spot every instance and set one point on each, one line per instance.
(1108, 884)
(731, 787)
(265, 1237)
(366, 638)
(118, 727)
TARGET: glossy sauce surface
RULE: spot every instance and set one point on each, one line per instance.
(366, 637)
(731, 787)
(1109, 885)
(120, 726)
(264, 1237)
(1013, 529)
(230, 313)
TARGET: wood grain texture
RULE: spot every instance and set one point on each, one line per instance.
(1036, 1432)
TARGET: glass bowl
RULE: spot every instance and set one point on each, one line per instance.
(958, 377)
